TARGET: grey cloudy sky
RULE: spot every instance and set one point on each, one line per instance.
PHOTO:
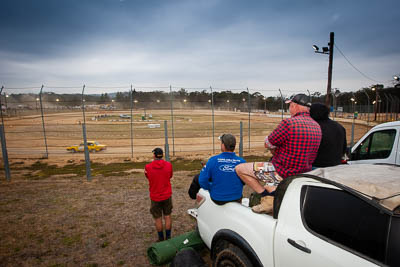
(263, 45)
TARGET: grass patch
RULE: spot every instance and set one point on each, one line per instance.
(71, 240)
(40, 170)
(186, 165)
(253, 158)
(105, 244)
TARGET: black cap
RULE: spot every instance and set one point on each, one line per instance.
(300, 99)
(158, 152)
(229, 141)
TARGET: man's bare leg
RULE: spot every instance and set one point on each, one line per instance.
(246, 172)
(168, 222)
(158, 222)
(168, 225)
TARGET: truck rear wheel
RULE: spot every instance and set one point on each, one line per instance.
(232, 257)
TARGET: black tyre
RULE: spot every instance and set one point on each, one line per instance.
(232, 257)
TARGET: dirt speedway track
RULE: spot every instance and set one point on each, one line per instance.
(192, 135)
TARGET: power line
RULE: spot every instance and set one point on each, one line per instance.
(354, 67)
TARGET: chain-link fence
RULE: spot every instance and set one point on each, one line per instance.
(186, 122)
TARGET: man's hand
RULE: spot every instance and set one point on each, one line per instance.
(269, 146)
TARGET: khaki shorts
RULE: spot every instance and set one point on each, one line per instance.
(265, 172)
(158, 208)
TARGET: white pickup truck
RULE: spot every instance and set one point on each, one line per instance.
(381, 144)
(348, 215)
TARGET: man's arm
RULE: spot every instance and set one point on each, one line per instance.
(269, 146)
(278, 136)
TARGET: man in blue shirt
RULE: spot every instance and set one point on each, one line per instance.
(219, 176)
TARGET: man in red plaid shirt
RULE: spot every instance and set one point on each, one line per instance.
(294, 146)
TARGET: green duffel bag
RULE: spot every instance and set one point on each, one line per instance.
(161, 253)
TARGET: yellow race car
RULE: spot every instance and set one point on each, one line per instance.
(93, 146)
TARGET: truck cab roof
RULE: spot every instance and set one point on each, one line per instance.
(387, 124)
(378, 183)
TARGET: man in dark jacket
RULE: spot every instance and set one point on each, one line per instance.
(159, 174)
(195, 186)
(333, 144)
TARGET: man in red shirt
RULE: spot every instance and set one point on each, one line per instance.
(294, 146)
(159, 174)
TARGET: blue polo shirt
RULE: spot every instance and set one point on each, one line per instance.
(220, 179)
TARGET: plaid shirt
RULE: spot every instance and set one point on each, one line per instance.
(296, 140)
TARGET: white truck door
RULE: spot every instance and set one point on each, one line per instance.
(379, 146)
(300, 241)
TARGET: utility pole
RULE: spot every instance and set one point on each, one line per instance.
(329, 87)
(328, 51)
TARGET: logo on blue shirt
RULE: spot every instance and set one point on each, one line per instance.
(227, 168)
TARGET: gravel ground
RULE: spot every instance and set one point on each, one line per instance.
(71, 222)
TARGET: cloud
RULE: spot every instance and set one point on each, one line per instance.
(222, 43)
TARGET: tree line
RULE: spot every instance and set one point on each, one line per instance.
(201, 99)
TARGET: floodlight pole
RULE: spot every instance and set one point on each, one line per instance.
(328, 51)
(329, 86)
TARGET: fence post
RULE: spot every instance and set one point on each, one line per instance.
(249, 108)
(241, 140)
(87, 158)
(352, 126)
(44, 128)
(212, 115)
(281, 103)
(387, 107)
(368, 101)
(131, 99)
(1, 105)
(5, 154)
(397, 107)
(166, 146)
(172, 120)
(392, 103)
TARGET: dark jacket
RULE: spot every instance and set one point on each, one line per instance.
(194, 187)
(333, 144)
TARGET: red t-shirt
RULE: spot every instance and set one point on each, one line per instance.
(159, 174)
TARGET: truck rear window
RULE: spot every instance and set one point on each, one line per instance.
(352, 223)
